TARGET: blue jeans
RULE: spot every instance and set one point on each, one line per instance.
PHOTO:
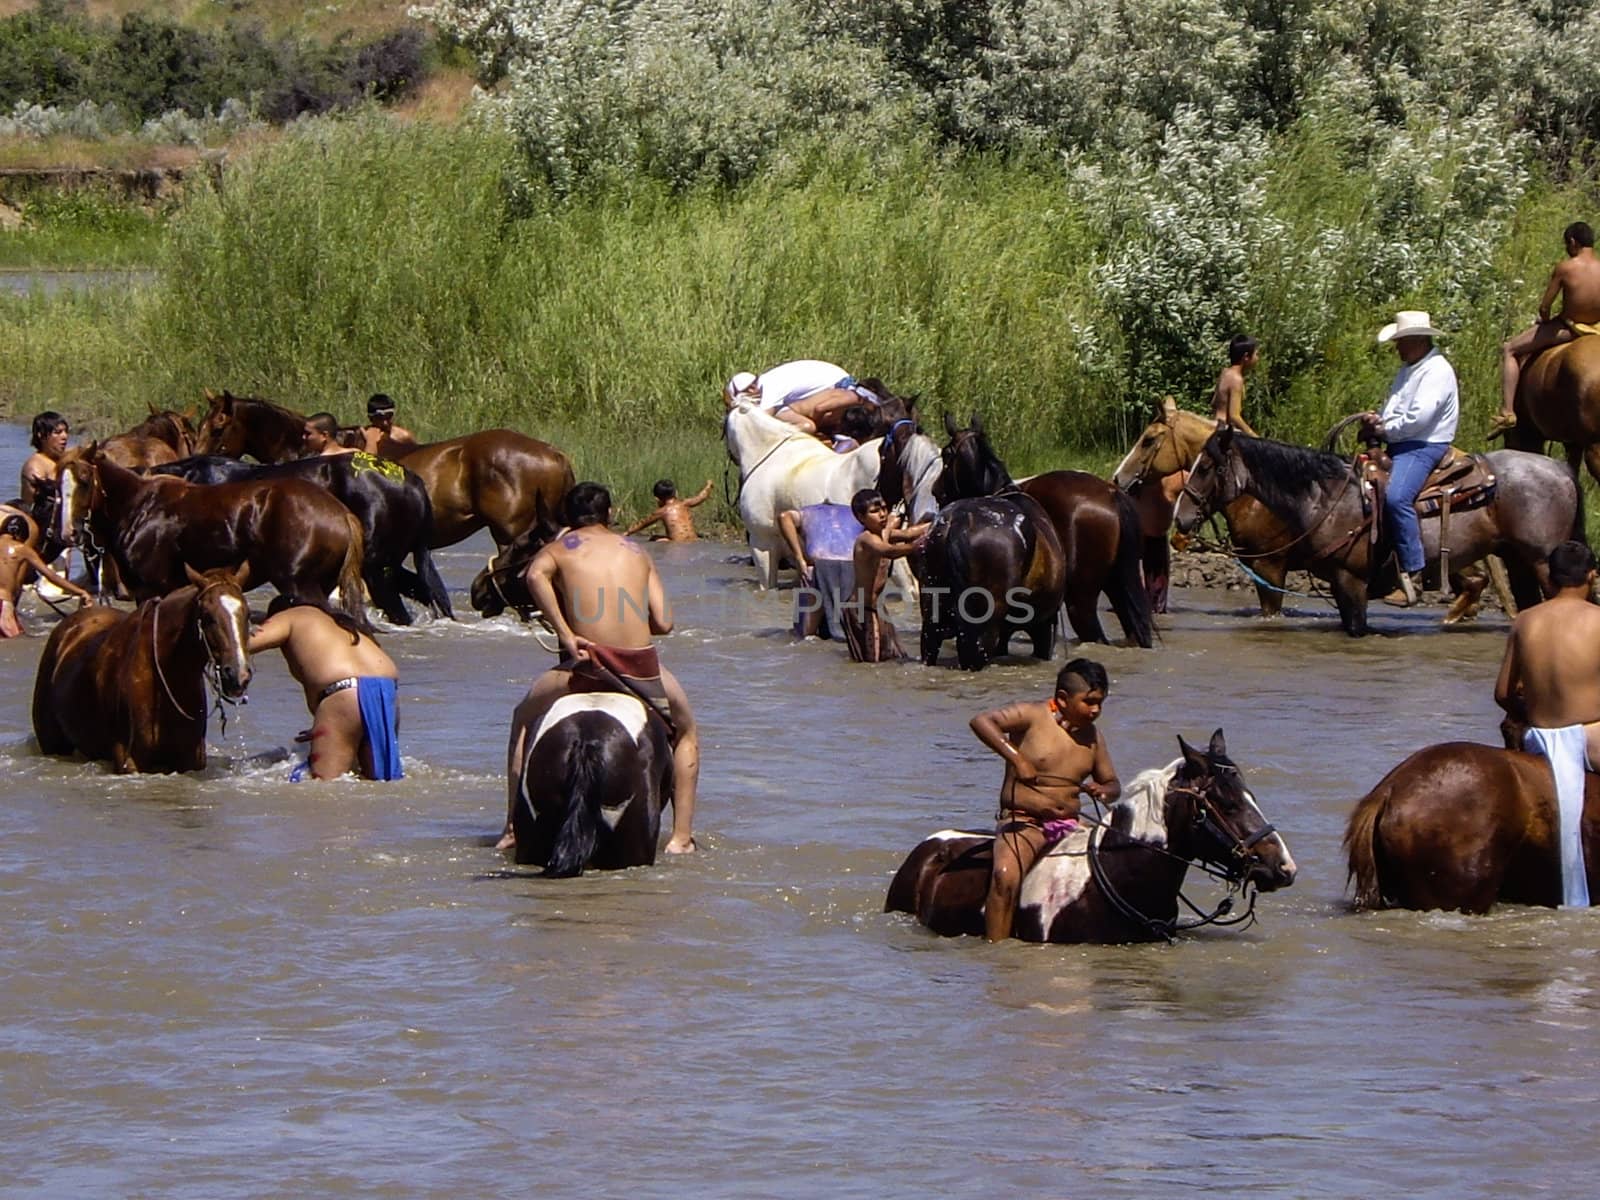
(1412, 463)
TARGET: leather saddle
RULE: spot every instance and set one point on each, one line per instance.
(1459, 483)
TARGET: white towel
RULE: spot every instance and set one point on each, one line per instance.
(1566, 750)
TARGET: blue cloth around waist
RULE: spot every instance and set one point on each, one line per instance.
(830, 530)
(380, 713)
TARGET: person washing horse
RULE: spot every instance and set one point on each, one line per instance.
(1053, 752)
(1576, 282)
(1550, 682)
(381, 436)
(1418, 422)
(602, 595)
(17, 556)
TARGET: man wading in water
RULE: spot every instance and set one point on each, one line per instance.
(601, 594)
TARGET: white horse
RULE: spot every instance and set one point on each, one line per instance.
(921, 464)
(782, 468)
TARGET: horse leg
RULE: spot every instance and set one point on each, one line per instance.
(1468, 586)
(385, 593)
(766, 566)
(1350, 594)
(1157, 563)
(970, 649)
(1043, 633)
(1269, 594)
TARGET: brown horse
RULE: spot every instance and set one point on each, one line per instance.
(291, 533)
(131, 687)
(497, 477)
(1558, 400)
(1117, 881)
(162, 437)
(1458, 826)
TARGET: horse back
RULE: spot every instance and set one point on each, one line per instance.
(1082, 510)
(1560, 390)
(944, 882)
(81, 687)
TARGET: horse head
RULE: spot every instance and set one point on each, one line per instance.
(1215, 481)
(80, 494)
(503, 584)
(891, 476)
(1213, 817)
(222, 620)
(1168, 445)
(971, 467)
(220, 433)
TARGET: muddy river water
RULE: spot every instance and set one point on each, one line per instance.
(226, 985)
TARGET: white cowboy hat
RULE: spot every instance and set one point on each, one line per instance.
(1409, 324)
(739, 384)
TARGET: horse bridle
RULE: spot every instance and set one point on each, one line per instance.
(744, 476)
(211, 672)
(1204, 507)
(1150, 457)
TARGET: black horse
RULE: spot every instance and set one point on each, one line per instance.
(502, 585)
(597, 773)
(390, 502)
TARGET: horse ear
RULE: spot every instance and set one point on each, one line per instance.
(154, 412)
(1192, 758)
(1219, 748)
(195, 577)
(950, 429)
(1169, 410)
(241, 575)
(225, 401)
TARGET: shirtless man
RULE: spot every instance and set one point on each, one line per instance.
(350, 686)
(1550, 680)
(869, 635)
(382, 437)
(810, 394)
(16, 557)
(1227, 402)
(1052, 752)
(322, 436)
(50, 431)
(1576, 280)
(672, 512)
(602, 596)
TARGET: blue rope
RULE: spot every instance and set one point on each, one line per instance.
(1272, 587)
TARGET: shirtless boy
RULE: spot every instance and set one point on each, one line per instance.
(1227, 402)
(1550, 679)
(1576, 280)
(672, 512)
(871, 638)
(322, 436)
(50, 431)
(381, 435)
(350, 686)
(1053, 752)
(16, 556)
(602, 596)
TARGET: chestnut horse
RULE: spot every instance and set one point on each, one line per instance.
(1320, 498)
(390, 502)
(290, 532)
(1116, 881)
(162, 437)
(495, 478)
(1558, 400)
(131, 687)
(1096, 525)
(1459, 826)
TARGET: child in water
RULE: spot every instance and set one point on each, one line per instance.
(16, 556)
(672, 512)
(870, 637)
(1053, 752)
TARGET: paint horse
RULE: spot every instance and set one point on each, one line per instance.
(1459, 826)
(596, 774)
(131, 687)
(290, 532)
(1320, 498)
(1116, 881)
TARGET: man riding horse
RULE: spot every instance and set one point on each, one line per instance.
(1576, 281)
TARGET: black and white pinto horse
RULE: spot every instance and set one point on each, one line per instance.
(1117, 881)
(597, 773)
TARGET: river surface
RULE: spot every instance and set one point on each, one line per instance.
(229, 986)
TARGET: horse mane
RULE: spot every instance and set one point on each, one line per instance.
(1283, 474)
(1141, 810)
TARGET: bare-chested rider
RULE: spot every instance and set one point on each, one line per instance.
(382, 437)
(1550, 680)
(602, 596)
(1576, 280)
(350, 686)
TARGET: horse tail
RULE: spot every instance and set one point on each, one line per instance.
(352, 589)
(584, 787)
(1126, 590)
(1361, 845)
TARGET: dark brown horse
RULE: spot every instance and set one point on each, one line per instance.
(239, 425)
(162, 437)
(1459, 826)
(1096, 525)
(1321, 500)
(131, 687)
(291, 533)
(1112, 882)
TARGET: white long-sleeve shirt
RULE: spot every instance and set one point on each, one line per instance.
(1423, 404)
(797, 380)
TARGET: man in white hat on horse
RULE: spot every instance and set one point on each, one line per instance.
(1418, 422)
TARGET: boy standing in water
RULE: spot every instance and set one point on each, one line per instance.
(871, 638)
(16, 556)
(1053, 751)
(672, 512)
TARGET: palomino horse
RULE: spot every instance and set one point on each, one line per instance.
(131, 687)
(1096, 525)
(597, 774)
(390, 502)
(1558, 400)
(781, 468)
(291, 533)
(1320, 499)
(496, 478)
(162, 437)
(1459, 826)
(1116, 881)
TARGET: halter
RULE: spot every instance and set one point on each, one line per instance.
(1202, 506)
(1144, 463)
(211, 673)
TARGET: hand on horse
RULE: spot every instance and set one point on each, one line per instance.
(577, 647)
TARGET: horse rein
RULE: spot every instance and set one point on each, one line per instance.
(1203, 507)
(211, 673)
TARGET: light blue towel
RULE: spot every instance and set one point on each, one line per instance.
(1566, 750)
